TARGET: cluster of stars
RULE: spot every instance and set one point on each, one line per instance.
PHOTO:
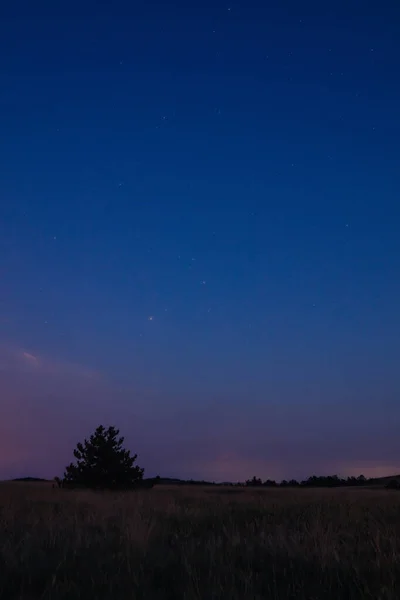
(164, 118)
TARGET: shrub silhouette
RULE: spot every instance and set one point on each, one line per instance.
(393, 484)
(103, 463)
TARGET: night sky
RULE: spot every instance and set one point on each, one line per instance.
(199, 235)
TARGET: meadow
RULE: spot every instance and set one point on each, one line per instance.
(172, 543)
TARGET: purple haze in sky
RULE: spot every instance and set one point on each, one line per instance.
(42, 425)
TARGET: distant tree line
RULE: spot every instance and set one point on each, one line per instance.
(328, 481)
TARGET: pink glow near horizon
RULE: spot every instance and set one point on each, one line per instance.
(48, 405)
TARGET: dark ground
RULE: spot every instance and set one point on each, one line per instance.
(198, 543)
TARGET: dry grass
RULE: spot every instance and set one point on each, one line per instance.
(190, 543)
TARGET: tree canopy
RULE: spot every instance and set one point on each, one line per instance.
(103, 463)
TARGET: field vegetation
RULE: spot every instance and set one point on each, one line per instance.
(192, 542)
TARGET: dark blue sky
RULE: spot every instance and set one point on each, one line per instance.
(199, 234)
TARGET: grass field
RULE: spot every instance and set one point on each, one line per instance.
(189, 543)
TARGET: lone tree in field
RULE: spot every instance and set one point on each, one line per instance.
(103, 463)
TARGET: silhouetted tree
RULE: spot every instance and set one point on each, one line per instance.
(351, 480)
(270, 483)
(324, 481)
(255, 482)
(293, 483)
(103, 463)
